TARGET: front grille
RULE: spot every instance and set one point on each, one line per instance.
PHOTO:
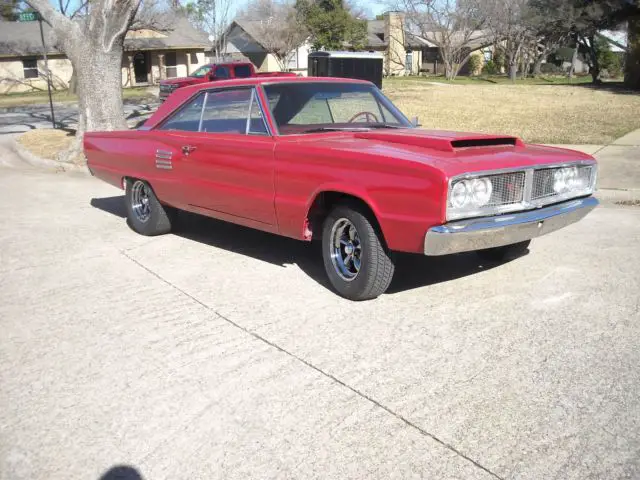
(523, 189)
(508, 188)
(542, 186)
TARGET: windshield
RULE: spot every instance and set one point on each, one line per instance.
(201, 72)
(323, 106)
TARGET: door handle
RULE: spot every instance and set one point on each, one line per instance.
(187, 149)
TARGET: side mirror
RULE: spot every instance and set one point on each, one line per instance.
(415, 122)
(212, 77)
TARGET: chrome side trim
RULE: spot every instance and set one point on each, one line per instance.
(497, 231)
(163, 159)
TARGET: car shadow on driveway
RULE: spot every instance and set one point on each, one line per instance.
(412, 271)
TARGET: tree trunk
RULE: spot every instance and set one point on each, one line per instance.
(513, 71)
(594, 69)
(537, 66)
(572, 67)
(99, 84)
(632, 63)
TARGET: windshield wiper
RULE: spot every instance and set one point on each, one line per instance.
(385, 125)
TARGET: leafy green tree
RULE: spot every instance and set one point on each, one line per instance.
(331, 25)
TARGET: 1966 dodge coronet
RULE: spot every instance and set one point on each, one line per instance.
(333, 159)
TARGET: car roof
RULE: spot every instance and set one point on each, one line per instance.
(239, 82)
(177, 98)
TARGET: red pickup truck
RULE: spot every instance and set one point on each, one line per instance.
(213, 72)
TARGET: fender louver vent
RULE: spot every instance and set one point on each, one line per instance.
(484, 142)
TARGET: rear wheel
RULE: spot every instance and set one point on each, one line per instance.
(145, 214)
(507, 252)
(355, 258)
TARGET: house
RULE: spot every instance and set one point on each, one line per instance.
(242, 41)
(407, 53)
(404, 52)
(149, 55)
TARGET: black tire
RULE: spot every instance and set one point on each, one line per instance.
(376, 266)
(155, 219)
(507, 252)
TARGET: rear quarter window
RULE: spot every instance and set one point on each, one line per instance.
(242, 71)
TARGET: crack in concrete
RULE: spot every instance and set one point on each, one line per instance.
(361, 394)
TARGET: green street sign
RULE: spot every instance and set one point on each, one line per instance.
(28, 16)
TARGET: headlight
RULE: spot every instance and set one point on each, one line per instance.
(471, 194)
(481, 189)
(459, 194)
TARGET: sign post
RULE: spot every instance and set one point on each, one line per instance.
(32, 17)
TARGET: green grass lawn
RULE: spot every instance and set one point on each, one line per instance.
(63, 96)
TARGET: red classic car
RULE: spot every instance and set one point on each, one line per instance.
(334, 159)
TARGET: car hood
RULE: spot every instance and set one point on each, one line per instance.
(453, 153)
(179, 81)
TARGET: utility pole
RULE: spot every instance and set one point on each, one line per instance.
(32, 17)
(46, 67)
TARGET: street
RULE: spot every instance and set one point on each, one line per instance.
(220, 352)
(29, 117)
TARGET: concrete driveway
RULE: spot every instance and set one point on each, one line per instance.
(218, 352)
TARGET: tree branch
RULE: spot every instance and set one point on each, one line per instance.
(50, 15)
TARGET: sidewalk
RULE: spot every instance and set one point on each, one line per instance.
(618, 165)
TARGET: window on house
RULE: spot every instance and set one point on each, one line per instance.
(30, 68)
(171, 61)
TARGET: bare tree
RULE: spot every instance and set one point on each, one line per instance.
(212, 17)
(454, 26)
(278, 27)
(92, 37)
(509, 22)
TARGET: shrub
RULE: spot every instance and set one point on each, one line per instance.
(610, 63)
(551, 68)
(490, 68)
(499, 59)
(475, 64)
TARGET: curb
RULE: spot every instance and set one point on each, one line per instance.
(47, 163)
(611, 196)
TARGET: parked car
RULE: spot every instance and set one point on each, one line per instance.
(335, 160)
(215, 72)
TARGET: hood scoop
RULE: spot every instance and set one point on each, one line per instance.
(440, 140)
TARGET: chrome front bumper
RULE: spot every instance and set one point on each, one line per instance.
(488, 232)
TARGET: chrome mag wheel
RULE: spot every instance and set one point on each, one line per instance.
(140, 201)
(345, 249)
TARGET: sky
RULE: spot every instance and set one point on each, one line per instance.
(372, 8)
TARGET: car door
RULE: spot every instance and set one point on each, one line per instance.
(228, 164)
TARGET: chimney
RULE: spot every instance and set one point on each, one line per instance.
(395, 55)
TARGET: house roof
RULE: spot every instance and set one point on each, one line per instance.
(21, 39)
(376, 36)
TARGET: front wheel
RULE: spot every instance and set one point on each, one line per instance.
(507, 252)
(145, 214)
(357, 263)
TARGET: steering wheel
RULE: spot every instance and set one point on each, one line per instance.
(369, 117)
